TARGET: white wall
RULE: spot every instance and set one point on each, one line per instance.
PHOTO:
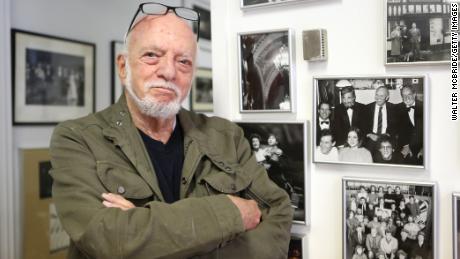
(355, 44)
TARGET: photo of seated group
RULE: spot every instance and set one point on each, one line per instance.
(388, 220)
(376, 120)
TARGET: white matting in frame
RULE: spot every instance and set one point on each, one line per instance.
(417, 33)
(456, 224)
(281, 148)
(411, 226)
(400, 139)
(266, 71)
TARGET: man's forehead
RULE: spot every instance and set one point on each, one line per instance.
(168, 24)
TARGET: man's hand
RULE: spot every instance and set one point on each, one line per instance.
(405, 151)
(116, 201)
(249, 211)
(372, 136)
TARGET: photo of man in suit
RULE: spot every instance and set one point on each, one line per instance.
(380, 120)
(324, 120)
(411, 126)
(349, 113)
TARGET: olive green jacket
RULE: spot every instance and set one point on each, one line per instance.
(104, 152)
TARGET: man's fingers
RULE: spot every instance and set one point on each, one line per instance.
(117, 201)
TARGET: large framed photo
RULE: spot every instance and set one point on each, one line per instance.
(266, 71)
(116, 48)
(296, 247)
(388, 219)
(53, 78)
(43, 234)
(456, 224)
(370, 120)
(417, 34)
(249, 4)
(280, 148)
(201, 94)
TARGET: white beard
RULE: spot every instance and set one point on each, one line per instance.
(149, 105)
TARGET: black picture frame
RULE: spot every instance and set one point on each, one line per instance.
(419, 219)
(53, 78)
(116, 48)
(285, 161)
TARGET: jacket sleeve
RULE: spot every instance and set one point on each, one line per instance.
(270, 239)
(180, 230)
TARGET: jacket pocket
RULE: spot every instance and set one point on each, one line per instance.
(123, 180)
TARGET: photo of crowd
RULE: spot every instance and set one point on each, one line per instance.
(388, 220)
(279, 148)
(370, 121)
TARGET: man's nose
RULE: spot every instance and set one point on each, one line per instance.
(167, 69)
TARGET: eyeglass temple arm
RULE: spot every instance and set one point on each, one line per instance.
(132, 21)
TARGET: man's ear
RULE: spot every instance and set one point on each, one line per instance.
(121, 65)
(333, 143)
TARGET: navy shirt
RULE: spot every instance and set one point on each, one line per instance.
(167, 160)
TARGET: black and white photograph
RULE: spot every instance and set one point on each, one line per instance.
(295, 247)
(53, 78)
(247, 4)
(456, 224)
(117, 88)
(266, 71)
(201, 93)
(280, 148)
(385, 219)
(417, 34)
(370, 120)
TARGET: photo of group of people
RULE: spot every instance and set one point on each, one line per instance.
(388, 220)
(417, 31)
(370, 120)
(279, 148)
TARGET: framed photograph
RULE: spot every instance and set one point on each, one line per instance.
(201, 94)
(423, 37)
(250, 4)
(296, 247)
(388, 219)
(456, 224)
(53, 78)
(116, 48)
(370, 120)
(280, 148)
(266, 71)
(204, 9)
(43, 235)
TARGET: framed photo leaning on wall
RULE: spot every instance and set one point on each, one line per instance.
(456, 224)
(266, 71)
(280, 148)
(116, 48)
(370, 120)
(393, 219)
(417, 34)
(201, 98)
(53, 78)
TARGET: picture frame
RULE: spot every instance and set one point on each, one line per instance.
(254, 4)
(43, 234)
(201, 98)
(421, 38)
(284, 157)
(53, 78)
(378, 143)
(266, 73)
(456, 224)
(204, 9)
(296, 248)
(410, 229)
(116, 48)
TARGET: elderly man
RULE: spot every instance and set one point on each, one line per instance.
(146, 179)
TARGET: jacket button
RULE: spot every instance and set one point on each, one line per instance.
(228, 169)
(119, 123)
(122, 113)
(121, 190)
(184, 181)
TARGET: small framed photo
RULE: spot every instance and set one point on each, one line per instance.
(456, 224)
(116, 48)
(296, 247)
(370, 120)
(201, 94)
(388, 219)
(266, 71)
(250, 4)
(280, 148)
(420, 38)
(53, 78)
